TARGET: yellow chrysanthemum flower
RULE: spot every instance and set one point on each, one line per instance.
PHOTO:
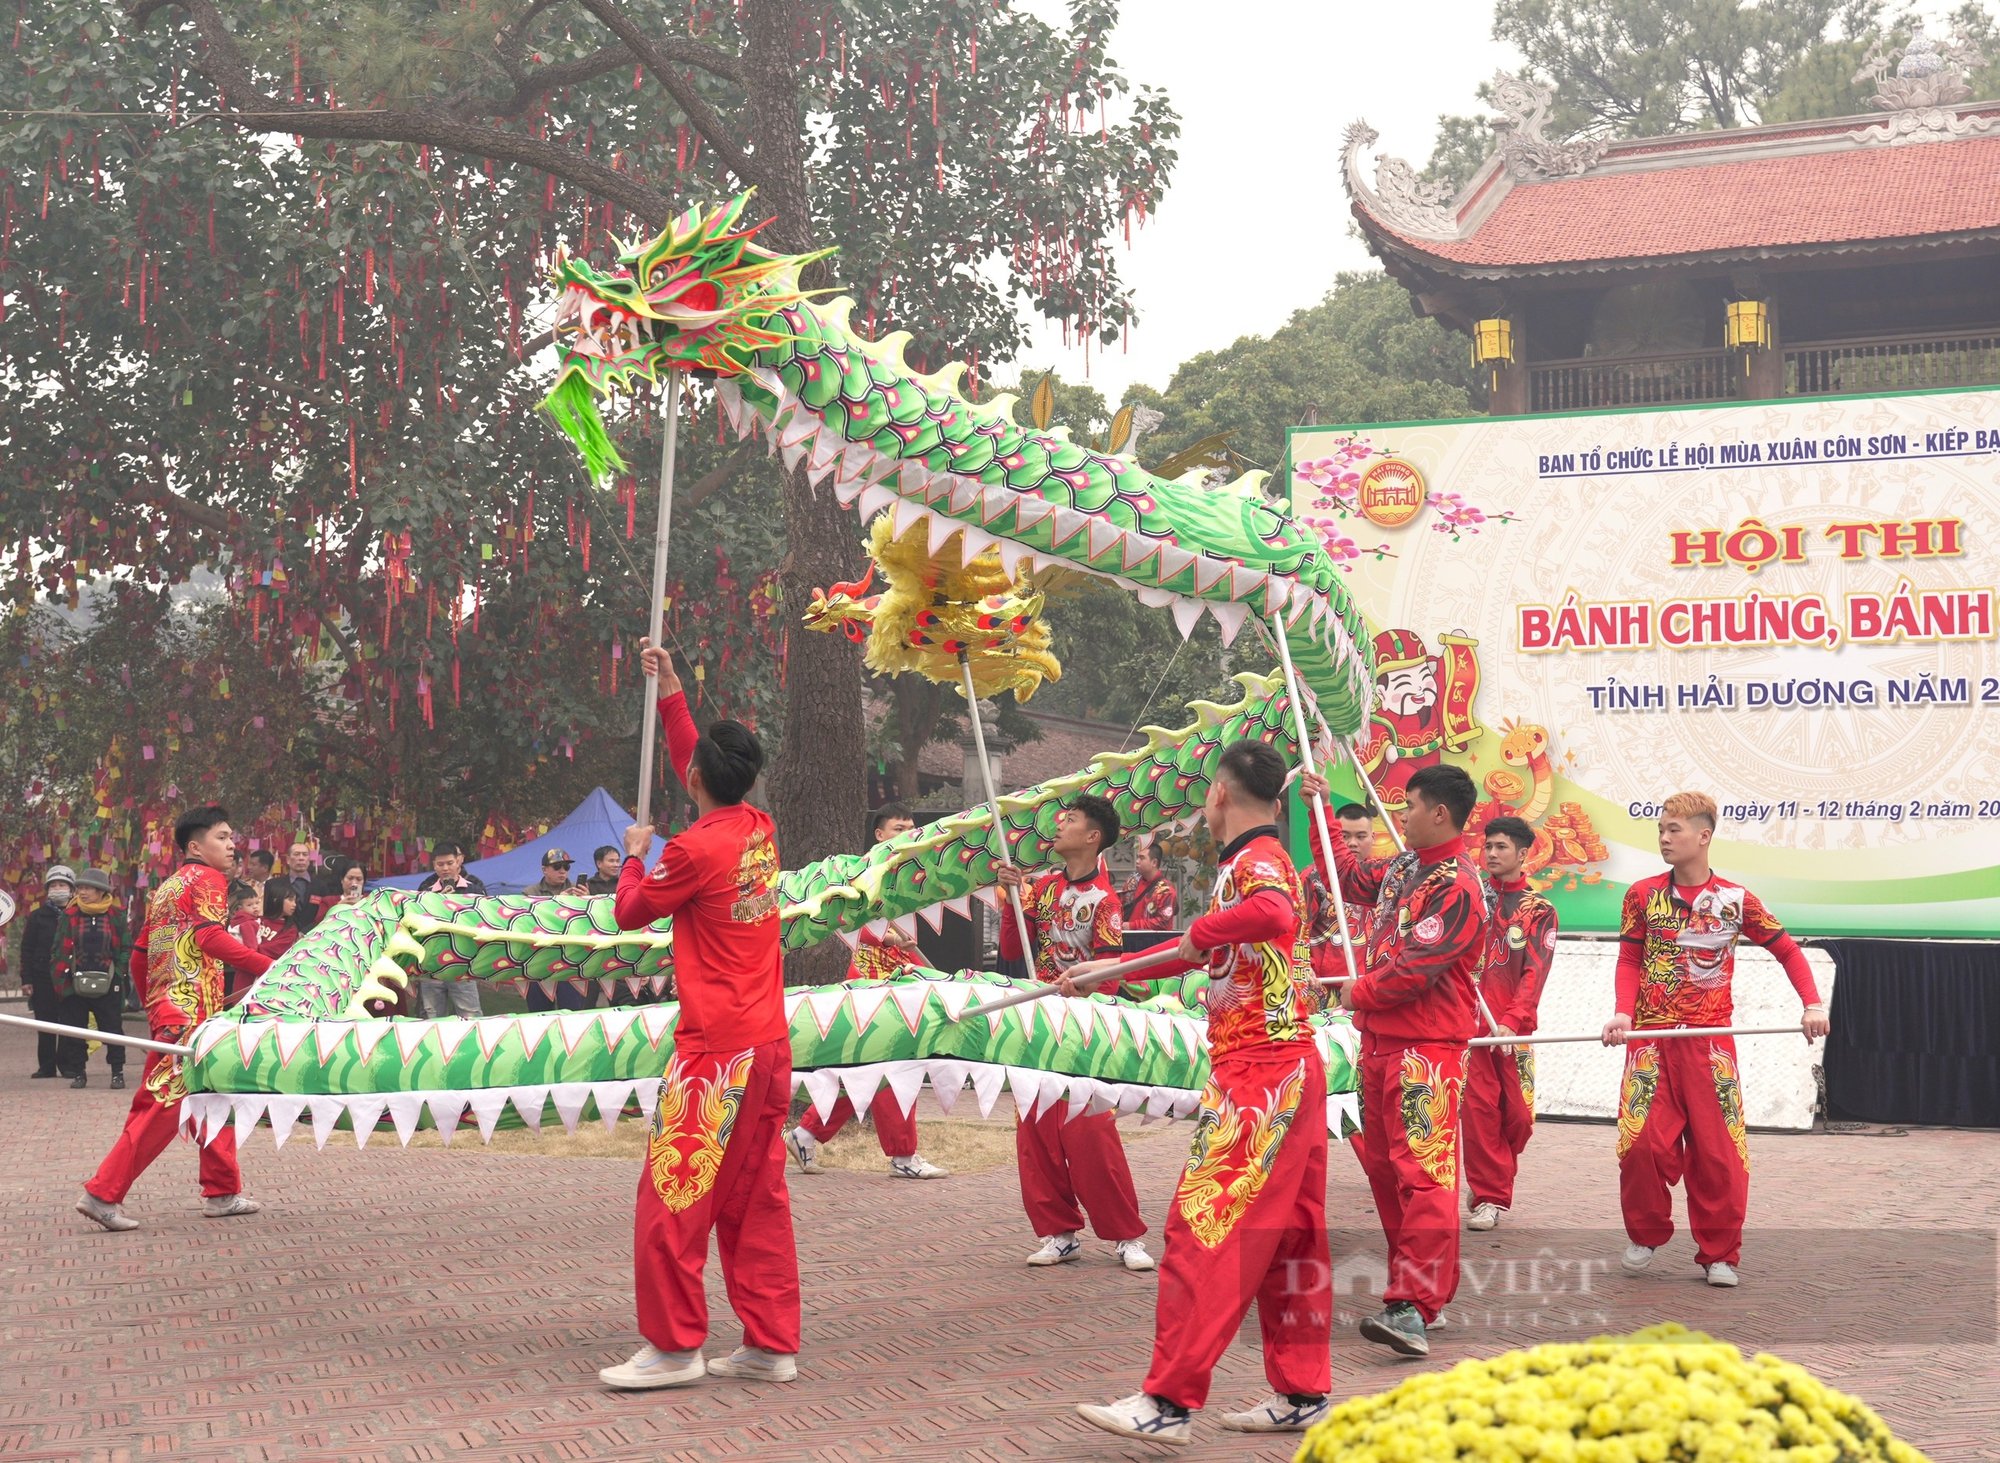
(1661, 1395)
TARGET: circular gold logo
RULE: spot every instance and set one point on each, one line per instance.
(1391, 493)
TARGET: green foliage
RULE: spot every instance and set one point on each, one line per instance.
(1360, 355)
(306, 365)
(1641, 68)
(1463, 143)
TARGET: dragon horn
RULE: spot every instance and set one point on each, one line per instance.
(857, 589)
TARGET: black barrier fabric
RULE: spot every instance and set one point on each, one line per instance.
(1916, 1033)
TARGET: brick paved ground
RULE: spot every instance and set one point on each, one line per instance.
(399, 1306)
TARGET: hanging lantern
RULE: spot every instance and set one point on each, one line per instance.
(1493, 345)
(1747, 326)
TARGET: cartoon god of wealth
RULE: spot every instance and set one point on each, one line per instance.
(1423, 708)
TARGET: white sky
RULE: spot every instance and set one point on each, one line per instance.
(1255, 223)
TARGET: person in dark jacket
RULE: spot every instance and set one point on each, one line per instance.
(88, 971)
(38, 946)
(606, 861)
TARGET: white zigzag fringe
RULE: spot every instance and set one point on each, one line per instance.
(206, 1115)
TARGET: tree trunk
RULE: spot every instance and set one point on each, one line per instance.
(819, 788)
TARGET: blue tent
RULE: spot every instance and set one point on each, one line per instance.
(598, 820)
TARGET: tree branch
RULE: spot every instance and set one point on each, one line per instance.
(224, 64)
(660, 58)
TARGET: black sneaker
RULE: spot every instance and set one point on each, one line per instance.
(1400, 1327)
(118, 1080)
(81, 1079)
(50, 1073)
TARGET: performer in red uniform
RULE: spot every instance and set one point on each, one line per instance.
(1151, 901)
(1414, 1004)
(1248, 1221)
(1499, 1114)
(876, 957)
(717, 1156)
(1356, 830)
(177, 965)
(1074, 1166)
(1680, 1110)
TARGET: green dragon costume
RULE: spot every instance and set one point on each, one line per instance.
(703, 294)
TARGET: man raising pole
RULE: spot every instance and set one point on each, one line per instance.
(717, 1159)
(1680, 1108)
(1415, 1003)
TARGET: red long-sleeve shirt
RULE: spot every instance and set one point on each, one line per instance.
(718, 878)
(1677, 951)
(1520, 948)
(186, 946)
(1253, 937)
(1070, 921)
(1426, 942)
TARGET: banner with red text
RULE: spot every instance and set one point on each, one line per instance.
(1790, 605)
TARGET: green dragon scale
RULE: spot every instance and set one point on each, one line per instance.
(304, 1046)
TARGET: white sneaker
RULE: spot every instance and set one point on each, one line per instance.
(1636, 1258)
(651, 1367)
(1056, 1250)
(1132, 1255)
(106, 1216)
(1276, 1414)
(754, 1364)
(805, 1148)
(1140, 1416)
(1483, 1216)
(1723, 1273)
(916, 1166)
(228, 1206)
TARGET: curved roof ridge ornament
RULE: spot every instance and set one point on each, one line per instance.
(1921, 86)
(1524, 150)
(1399, 198)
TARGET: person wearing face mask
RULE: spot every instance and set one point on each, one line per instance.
(38, 946)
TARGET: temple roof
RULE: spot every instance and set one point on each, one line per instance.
(1918, 177)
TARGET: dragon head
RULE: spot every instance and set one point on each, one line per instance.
(848, 608)
(698, 295)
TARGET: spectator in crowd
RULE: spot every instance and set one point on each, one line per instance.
(89, 973)
(246, 912)
(38, 947)
(1151, 901)
(555, 876)
(353, 879)
(604, 880)
(555, 880)
(255, 870)
(278, 930)
(448, 876)
(299, 874)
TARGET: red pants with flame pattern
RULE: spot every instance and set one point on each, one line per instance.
(1680, 1113)
(717, 1162)
(1248, 1223)
(1410, 1098)
(1497, 1120)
